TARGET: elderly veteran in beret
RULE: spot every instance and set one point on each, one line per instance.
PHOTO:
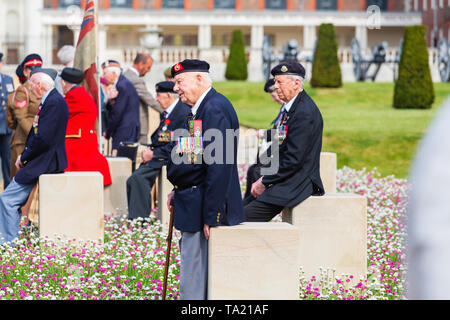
(44, 152)
(207, 192)
(140, 183)
(299, 134)
(81, 139)
(123, 111)
(22, 109)
(254, 171)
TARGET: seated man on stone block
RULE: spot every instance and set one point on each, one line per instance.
(44, 152)
(140, 183)
(299, 134)
(254, 171)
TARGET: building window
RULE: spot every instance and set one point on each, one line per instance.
(68, 3)
(173, 4)
(224, 4)
(275, 4)
(382, 4)
(121, 3)
(326, 5)
(187, 39)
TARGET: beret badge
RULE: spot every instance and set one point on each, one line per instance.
(284, 69)
(177, 67)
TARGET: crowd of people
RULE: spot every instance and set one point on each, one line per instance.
(51, 129)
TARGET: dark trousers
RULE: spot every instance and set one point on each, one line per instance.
(255, 210)
(139, 186)
(5, 154)
(258, 211)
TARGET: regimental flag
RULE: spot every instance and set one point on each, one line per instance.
(86, 49)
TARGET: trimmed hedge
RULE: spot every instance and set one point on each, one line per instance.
(326, 71)
(414, 87)
(237, 60)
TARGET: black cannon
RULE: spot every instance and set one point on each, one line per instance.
(291, 52)
(444, 60)
(377, 58)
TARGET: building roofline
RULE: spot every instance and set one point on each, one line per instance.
(241, 18)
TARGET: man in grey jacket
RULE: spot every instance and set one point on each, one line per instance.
(141, 66)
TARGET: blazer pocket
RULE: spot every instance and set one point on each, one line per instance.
(188, 209)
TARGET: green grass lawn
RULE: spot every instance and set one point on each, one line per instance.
(360, 124)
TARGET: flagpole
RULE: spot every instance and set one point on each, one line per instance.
(100, 130)
(99, 99)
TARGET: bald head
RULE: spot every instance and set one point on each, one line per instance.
(143, 63)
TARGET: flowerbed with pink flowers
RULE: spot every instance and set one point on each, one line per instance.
(130, 262)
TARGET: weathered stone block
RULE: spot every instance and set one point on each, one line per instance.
(164, 188)
(328, 171)
(71, 206)
(333, 233)
(254, 261)
(115, 195)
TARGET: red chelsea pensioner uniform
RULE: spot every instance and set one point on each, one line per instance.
(81, 139)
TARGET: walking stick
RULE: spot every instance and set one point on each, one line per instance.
(169, 245)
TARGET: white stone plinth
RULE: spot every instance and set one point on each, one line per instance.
(164, 188)
(71, 206)
(333, 233)
(254, 261)
(115, 195)
(328, 171)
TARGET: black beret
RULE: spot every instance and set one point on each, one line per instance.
(19, 74)
(165, 86)
(190, 65)
(1, 56)
(269, 84)
(290, 68)
(32, 61)
(50, 72)
(72, 75)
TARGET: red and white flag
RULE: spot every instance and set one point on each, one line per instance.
(86, 49)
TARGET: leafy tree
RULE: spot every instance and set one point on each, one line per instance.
(414, 87)
(326, 71)
(237, 60)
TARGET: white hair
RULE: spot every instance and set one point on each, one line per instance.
(205, 76)
(116, 70)
(66, 54)
(295, 77)
(46, 81)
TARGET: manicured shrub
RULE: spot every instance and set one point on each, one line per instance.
(414, 87)
(237, 60)
(326, 71)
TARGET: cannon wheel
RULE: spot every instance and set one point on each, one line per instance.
(444, 60)
(357, 60)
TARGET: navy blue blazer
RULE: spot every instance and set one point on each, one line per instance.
(7, 86)
(209, 193)
(123, 116)
(162, 150)
(298, 176)
(45, 150)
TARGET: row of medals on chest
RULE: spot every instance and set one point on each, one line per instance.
(192, 145)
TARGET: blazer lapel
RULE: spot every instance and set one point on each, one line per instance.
(207, 97)
(296, 102)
